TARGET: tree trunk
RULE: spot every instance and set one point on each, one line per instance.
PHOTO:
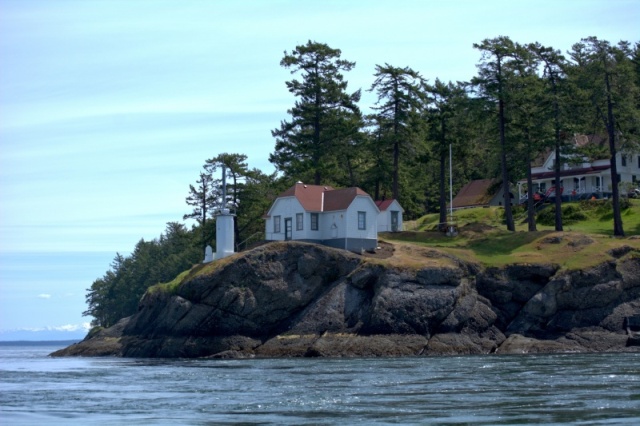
(396, 175)
(531, 210)
(508, 214)
(618, 230)
(443, 196)
(556, 121)
(396, 145)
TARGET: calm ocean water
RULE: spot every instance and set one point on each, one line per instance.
(548, 389)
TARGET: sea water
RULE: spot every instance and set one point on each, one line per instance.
(584, 389)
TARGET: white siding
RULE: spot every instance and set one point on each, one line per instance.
(384, 221)
(384, 218)
(631, 169)
(285, 208)
(332, 225)
(364, 204)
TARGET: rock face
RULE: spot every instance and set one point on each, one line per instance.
(296, 299)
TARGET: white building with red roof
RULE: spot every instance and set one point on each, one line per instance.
(390, 217)
(341, 218)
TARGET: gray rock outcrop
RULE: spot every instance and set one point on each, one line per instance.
(297, 299)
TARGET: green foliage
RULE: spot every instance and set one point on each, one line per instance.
(525, 100)
(325, 119)
(116, 294)
(607, 98)
(601, 207)
(571, 213)
(400, 101)
(202, 199)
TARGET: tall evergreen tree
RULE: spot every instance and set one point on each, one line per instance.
(400, 101)
(605, 74)
(378, 172)
(528, 120)
(553, 70)
(322, 117)
(446, 109)
(202, 200)
(242, 183)
(494, 69)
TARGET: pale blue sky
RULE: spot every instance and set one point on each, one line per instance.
(108, 109)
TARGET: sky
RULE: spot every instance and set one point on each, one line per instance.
(109, 109)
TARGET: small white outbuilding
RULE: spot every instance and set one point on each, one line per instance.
(390, 217)
(341, 218)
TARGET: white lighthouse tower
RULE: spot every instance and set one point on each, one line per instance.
(225, 236)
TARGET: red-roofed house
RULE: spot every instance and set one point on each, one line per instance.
(390, 217)
(342, 218)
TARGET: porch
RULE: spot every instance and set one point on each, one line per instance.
(576, 187)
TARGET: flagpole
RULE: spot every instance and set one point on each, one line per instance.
(450, 188)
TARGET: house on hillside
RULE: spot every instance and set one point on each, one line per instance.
(480, 193)
(341, 218)
(582, 177)
(390, 217)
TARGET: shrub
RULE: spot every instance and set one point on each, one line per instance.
(602, 207)
(571, 213)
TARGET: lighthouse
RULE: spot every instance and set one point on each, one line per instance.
(225, 236)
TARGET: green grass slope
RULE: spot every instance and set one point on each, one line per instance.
(586, 240)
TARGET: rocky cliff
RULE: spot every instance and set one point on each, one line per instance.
(296, 299)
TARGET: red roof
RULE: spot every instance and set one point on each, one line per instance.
(318, 198)
(384, 204)
(310, 196)
(340, 199)
(475, 193)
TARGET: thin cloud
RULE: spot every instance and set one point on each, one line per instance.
(85, 326)
(44, 296)
(71, 327)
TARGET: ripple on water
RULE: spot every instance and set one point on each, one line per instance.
(587, 389)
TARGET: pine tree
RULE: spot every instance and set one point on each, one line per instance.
(553, 72)
(447, 107)
(202, 199)
(605, 75)
(324, 115)
(497, 57)
(399, 104)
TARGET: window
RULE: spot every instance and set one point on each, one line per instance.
(362, 220)
(624, 161)
(276, 224)
(299, 224)
(314, 221)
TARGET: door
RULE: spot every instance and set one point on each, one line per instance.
(394, 221)
(288, 228)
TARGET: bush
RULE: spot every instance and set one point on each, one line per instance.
(602, 207)
(571, 213)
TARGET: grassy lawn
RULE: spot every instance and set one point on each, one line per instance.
(483, 238)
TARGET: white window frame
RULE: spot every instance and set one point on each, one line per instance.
(315, 222)
(277, 228)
